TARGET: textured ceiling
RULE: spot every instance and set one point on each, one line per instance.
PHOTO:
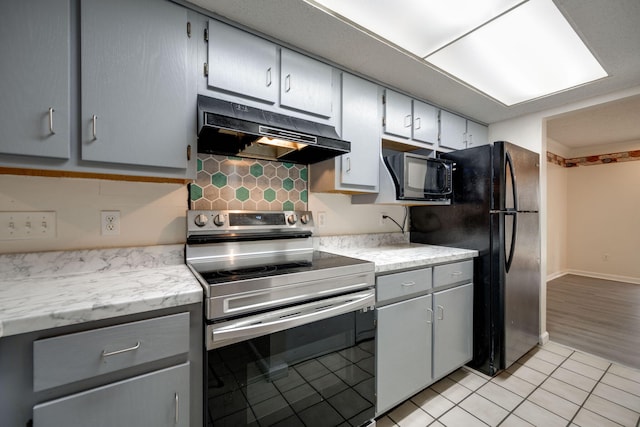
(610, 28)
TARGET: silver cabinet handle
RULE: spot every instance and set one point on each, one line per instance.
(51, 110)
(407, 284)
(407, 121)
(456, 273)
(269, 77)
(441, 310)
(417, 123)
(94, 119)
(124, 350)
(287, 83)
(348, 164)
(430, 320)
(177, 401)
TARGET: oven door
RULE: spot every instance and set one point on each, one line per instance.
(308, 365)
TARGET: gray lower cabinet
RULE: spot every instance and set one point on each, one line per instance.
(34, 47)
(157, 399)
(424, 328)
(403, 350)
(452, 329)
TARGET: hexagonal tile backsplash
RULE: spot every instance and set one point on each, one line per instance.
(235, 183)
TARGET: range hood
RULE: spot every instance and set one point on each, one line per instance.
(232, 129)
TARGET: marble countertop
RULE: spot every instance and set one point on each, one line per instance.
(50, 289)
(392, 251)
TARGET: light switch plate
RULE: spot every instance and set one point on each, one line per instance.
(27, 225)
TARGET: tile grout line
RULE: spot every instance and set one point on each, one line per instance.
(534, 390)
(591, 393)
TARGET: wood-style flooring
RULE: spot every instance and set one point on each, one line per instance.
(601, 317)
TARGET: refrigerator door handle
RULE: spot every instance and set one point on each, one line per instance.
(512, 248)
(514, 182)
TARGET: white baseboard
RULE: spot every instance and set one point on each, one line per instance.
(556, 275)
(614, 277)
(544, 338)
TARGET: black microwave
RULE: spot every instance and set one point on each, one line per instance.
(420, 178)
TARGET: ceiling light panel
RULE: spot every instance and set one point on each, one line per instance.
(417, 26)
(530, 52)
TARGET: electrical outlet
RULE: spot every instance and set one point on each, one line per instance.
(322, 219)
(110, 223)
(381, 218)
(27, 225)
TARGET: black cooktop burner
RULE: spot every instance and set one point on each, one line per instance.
(219, 276)
(319, 261)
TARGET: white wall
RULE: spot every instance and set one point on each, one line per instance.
(151, 213)
(603, 218)
(557, 230)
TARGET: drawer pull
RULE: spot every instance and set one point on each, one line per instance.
(124, 350)
(456, 273)
(177, 404)
(407, 284)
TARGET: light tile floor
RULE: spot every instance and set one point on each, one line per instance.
(552, 385)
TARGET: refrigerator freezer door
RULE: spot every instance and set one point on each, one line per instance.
(521, 284)
(516, 173)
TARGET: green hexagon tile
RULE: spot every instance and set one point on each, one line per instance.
(234, 183)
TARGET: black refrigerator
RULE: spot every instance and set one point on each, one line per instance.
(495, 211)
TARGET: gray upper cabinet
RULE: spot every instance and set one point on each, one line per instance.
(242, 63)
(397, 114)
(425, 122)
(359, 118)
(358, 171)
(477, 134)
(34, 47)
(410, 119)
(134, 83)
(453, 329)
(305, 84)
(452, 131)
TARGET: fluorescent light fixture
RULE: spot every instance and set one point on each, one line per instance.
(417, 26)
(511, 50)
(530, 52)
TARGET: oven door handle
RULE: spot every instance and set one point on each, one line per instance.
(221, 334)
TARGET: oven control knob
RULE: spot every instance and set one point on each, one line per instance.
(219, 220)
(201, 220)
(292, 219)
(305, 218)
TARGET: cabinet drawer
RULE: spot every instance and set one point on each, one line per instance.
(449, 274)
(157, 399)
(68, 358)
(403, 284)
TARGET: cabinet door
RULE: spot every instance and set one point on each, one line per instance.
(158, 399)
(452, 131)
(305, 84)
(425, 122)
(477, 134)
(453, 329)
(242, 63)
(397, 114)
(34, 47)
(134, 83)
(403, 350)
(360, 127)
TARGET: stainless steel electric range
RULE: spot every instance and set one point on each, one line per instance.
(289, 331)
